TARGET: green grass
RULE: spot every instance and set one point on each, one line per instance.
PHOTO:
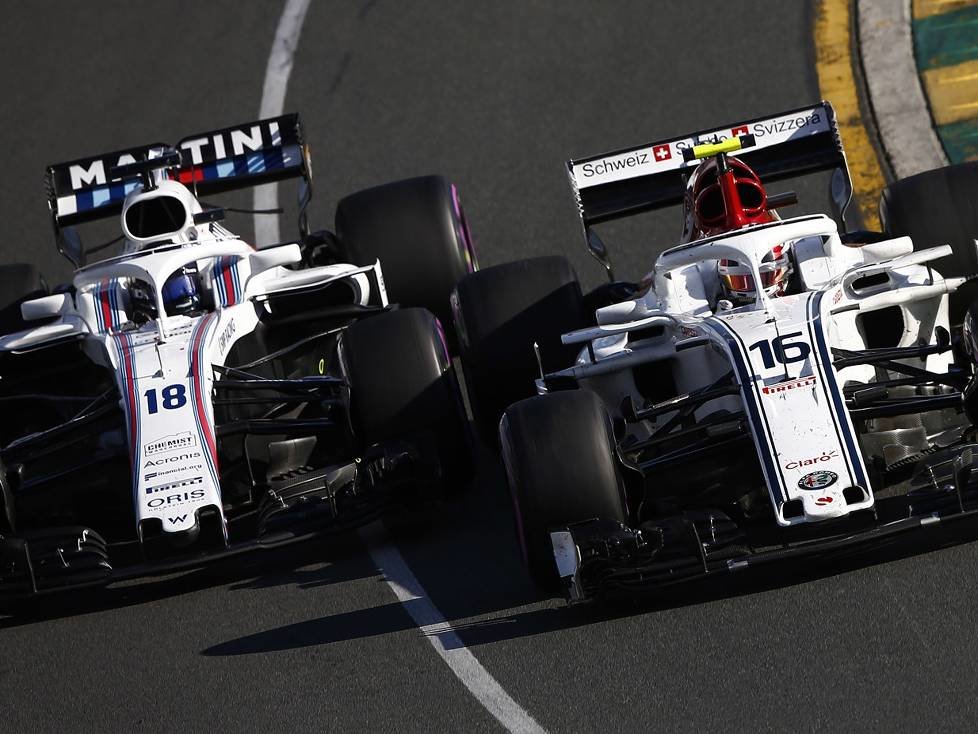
(946, 39)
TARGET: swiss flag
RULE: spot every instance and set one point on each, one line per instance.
(742, 130)
(661, 152)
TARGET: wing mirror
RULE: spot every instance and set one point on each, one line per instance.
(44, 308)
(70, 245)
(271, 257)
(599, 252)
(214, 214)
(775, 201)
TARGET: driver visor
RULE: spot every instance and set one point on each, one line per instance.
(770, 276)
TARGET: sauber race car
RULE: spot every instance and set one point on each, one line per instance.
(774, 387)
(195, 397)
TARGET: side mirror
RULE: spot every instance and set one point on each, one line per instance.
(44, 308)
(215, 214)
(305, 196)
(599, 252)
(775, 201)
(263, 260)
(840, 188)
(70, 245)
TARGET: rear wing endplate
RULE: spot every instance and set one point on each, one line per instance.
(652, 176)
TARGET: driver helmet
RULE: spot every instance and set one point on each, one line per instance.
(181, 293)
(737, 280)
(706, 213)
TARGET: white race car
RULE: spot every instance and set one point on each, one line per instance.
(773, 387)
(196, 397)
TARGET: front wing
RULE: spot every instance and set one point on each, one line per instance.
(600, 558)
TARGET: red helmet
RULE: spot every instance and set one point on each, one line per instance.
(716, 205)
(705, 200)
(737, 280)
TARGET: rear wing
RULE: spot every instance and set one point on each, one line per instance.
(211, 162)
(652, 176)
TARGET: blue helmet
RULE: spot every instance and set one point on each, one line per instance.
(180, 292)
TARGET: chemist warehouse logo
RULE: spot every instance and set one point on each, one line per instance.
(175, 442)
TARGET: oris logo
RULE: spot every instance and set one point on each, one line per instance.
(176, 499)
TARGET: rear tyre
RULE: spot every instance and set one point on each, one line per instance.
(939, 207)
(19, 282)
(418, 231)
(499, 313)
(403, 387)
(558, 450)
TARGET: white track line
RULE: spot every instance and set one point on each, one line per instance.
(398, 575)
(445, 640)
(272, 102)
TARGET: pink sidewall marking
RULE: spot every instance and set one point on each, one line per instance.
(463, 233)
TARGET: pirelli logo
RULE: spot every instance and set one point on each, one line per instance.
(186, 483)
(790, 385)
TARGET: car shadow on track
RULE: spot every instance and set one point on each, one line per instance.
(512, 611)
(307, 565)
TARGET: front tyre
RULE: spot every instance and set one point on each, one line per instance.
(403, 386)
(558, 450)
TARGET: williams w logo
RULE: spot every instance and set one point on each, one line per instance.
(176, 519)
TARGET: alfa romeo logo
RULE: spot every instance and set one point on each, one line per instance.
(818, 480)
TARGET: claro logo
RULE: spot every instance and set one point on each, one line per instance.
(824, 456)
(172, 459)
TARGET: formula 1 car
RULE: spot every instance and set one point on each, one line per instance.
(194, 397)
(775, 387)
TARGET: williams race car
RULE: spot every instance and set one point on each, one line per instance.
(774, 387)
(194, 397)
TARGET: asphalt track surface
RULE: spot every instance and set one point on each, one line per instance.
(496, 96)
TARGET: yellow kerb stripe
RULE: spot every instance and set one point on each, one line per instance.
(924, 8)
(833, 60)
(953, 92)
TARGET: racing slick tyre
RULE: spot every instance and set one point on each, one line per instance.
(403, 386)
(19, 282)
(558, 450)
(939, 207)
(418, 231)
(499, 313)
